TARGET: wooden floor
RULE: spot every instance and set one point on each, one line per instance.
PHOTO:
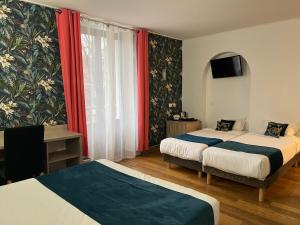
(239, 203)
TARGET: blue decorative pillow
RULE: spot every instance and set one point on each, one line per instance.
(284, 125)
(224, 126)
(232, 122)
(275, 129)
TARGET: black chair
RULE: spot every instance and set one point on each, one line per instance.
(24, 152)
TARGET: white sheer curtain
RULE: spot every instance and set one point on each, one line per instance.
(109, 68)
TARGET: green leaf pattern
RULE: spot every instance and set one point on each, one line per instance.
(31, 86)
(164, 53)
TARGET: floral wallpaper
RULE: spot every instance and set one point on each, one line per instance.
(31, 87)
(165, 72)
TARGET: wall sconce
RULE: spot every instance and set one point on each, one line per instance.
(164, 74)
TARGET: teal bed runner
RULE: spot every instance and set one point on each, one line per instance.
(274, 154)
(113, 198)
(199, 139)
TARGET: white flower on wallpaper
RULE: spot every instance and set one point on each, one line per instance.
(47, 85)
(169, 113)
(10, 82)
(153, 43)
(4, 10)
(8, 107)
(50, 123)
(153, 72)
(154, 128)
(154, 101)
(6, 60)
(169, 60)
(44, 41)
(169, 87)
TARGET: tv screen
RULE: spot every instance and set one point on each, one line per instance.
(227, 67)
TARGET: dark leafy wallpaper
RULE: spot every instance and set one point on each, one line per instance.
(164, 54)
(31, 88)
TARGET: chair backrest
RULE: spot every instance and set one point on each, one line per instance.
(24, 152)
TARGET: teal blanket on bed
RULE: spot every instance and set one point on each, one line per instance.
(274, 154)
(113, 198)
(199, 139)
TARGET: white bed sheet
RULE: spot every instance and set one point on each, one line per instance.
(251, 165)
(191, 150)
(29, 202)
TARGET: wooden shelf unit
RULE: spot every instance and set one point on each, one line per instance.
(181, 127)
(63, 153)
(61, 156)
(63, 148)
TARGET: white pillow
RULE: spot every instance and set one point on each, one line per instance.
(292, 129)
(239, 125)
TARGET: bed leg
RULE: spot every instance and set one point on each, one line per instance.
(200, 174)
(261, 194)
(169, 165)
(296, 164)
(208, 178)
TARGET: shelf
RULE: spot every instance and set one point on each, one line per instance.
(58, 150)
(61, 156)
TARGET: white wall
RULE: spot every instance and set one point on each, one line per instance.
(226, 98)
(272, 52)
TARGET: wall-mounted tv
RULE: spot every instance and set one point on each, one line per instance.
(227, 67)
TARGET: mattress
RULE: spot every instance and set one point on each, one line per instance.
(248, 164)
(32, 202)
(192, 150)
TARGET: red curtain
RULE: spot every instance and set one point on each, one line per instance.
(69, 36)
(143, 89)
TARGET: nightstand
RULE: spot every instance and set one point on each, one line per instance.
(177, 127)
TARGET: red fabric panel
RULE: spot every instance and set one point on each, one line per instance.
(69, 36)
(143, 89)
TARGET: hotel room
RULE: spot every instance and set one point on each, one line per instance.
(162, 112)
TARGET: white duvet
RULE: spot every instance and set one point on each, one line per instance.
(250, 165)
(30, 203)
(191, 150)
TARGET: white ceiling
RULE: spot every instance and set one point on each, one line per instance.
(185, 18)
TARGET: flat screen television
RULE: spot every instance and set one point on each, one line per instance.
(227, 67)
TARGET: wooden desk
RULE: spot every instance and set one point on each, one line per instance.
(62, 146)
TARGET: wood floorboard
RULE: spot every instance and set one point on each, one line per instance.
(239, 205)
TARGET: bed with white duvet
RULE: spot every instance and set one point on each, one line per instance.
(248, 164)
(80, 196)
(188, 150)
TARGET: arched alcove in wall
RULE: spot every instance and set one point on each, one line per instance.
(227, 98)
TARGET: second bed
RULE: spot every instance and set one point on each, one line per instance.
(187, 149)
(252, 159)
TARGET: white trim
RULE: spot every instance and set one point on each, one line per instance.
(86, 16)
(41, 4)
(101, 20)
(153, 32)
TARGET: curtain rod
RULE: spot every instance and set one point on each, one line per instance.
(84, 16)
(96, 19)
(107, 23)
